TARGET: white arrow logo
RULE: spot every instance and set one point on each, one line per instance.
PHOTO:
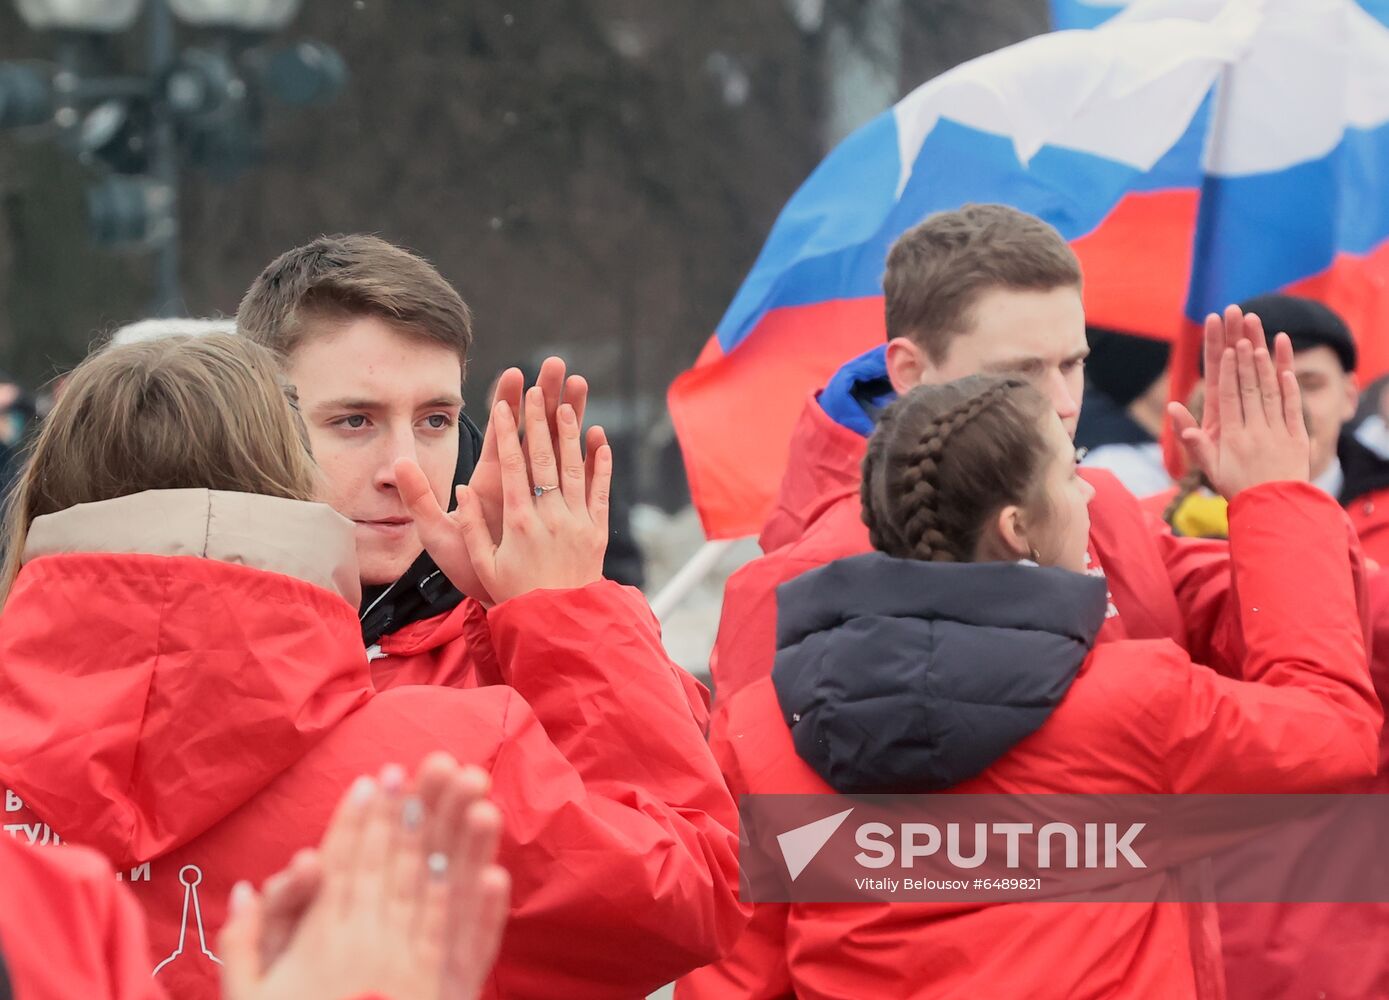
(799, 846)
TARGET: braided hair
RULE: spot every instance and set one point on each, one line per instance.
(944, 458)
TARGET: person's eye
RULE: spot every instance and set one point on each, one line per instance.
(353, 421)
(1070, 366)
(439, 421)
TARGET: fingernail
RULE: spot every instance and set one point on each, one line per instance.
(241, 896)
(412, 814)
(393, 778)
(438, 864)
(362, 790)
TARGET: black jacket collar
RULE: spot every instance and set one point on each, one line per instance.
(903, 676)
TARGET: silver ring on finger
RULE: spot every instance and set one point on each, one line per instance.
(540, 491)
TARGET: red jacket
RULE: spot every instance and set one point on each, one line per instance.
(1139, 717)
(67, 929)
(1329, 950)
(454, 649)
(1160, 586)
(197, 721)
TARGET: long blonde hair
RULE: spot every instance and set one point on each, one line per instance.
(207, 412)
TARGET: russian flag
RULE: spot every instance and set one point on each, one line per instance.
(1194, 153)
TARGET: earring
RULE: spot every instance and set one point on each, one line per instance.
(1035, 556)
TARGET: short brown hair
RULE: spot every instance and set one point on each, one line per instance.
(937, 270)
(209, 412)
(945, 458)
(342, 277)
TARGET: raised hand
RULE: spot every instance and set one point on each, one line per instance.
(555, 389)
(554, 517)
(1221, 334)
(1261, 435)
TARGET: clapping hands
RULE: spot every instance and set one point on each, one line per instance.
(402, 899)
(554, 513)
(1252, 429)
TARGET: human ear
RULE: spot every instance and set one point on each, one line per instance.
(905, 363)
(1008, 534)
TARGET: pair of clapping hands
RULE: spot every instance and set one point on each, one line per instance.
(1252, 429)
(402, 900)
(534, 515)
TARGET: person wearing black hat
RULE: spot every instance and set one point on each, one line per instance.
(1344, 462)
(1324, 359)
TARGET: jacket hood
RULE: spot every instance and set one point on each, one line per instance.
(827, 446)
(164, 656)
(897, 675)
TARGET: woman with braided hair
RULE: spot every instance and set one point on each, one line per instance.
(942, 454)
(960, 656)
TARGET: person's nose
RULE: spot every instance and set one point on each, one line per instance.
(398, 443)
(1063, 397)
